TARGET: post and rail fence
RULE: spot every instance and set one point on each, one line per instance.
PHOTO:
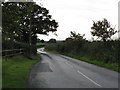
(11, 52)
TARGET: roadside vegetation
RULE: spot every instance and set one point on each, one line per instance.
(102, 52)
(91, 52)
(16, 70)
(21, 22)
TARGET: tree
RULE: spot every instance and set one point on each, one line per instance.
(52, 41)
(69, 39)
(38, 40)
(20, 18)
(76, 36)
(22, 21)
(42, 41)
(102, 29)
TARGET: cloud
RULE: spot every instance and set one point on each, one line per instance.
(77, 15)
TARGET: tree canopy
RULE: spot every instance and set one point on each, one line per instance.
(19, 18)
(102, 29)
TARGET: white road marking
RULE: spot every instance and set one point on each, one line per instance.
(89, 79)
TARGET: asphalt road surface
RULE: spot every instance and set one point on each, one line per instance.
(58, 71)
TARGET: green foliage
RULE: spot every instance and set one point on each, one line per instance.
(95, 50)
(21, 17)
(22, 21)
(76, 36)
(102, 29)
(16, 70)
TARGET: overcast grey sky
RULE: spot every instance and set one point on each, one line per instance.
(78, 15)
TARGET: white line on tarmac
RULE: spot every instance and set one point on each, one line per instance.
(89, 79)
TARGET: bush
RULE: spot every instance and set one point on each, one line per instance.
(97, 50)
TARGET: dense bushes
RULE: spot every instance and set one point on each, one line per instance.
(97, 50)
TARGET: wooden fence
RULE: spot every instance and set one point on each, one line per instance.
(11, 52)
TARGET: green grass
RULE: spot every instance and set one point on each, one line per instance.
(95, 62)
(16, 71)
(40, 43)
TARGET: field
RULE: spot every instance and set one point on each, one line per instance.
(40, 43)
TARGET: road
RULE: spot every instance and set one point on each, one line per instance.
(58, 71)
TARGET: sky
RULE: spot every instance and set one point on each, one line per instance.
(78, 16)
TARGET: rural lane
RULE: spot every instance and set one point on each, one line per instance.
(59, 71)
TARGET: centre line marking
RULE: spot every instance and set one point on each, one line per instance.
(89, 79)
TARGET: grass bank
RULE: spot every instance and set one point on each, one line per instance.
(16, 71)
(86, 59)
(96, 62)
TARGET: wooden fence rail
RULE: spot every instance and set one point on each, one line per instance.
(11, 52)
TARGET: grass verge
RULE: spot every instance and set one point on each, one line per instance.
(15, 71)
(95, 62)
